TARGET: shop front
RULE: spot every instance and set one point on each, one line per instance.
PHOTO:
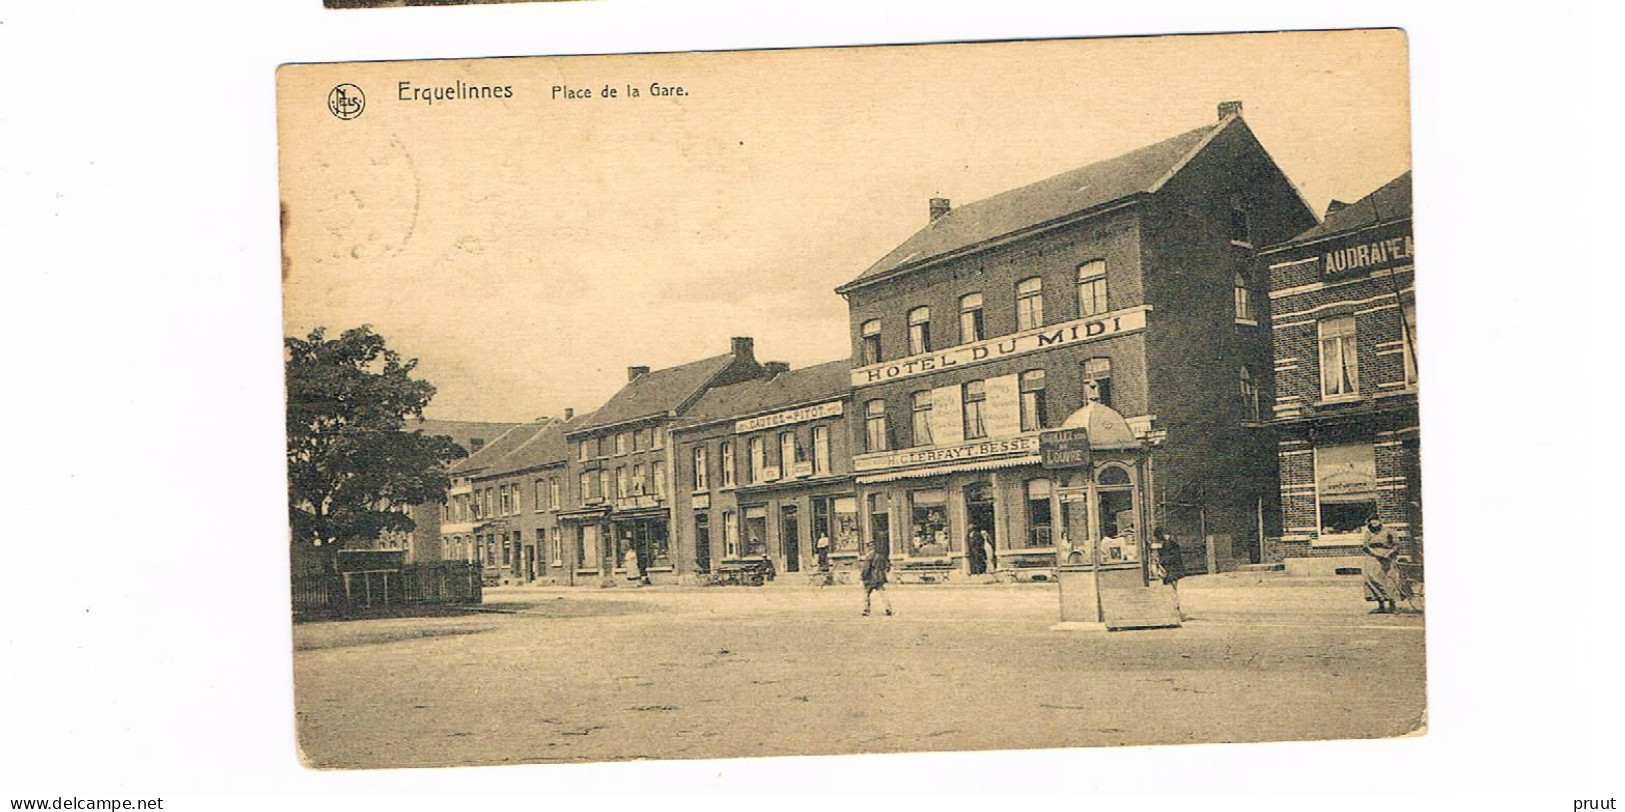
(784, 525)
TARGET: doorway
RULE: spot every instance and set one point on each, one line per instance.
(979, 517)
(790, 536)
(702, 542)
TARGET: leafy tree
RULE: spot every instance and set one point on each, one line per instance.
(352, 466)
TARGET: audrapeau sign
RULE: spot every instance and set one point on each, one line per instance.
(1050, 336)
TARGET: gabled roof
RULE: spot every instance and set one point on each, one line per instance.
(1389, 203)
(808, 385)
(656, 393)
(462, 432)
(545, 447)
(1142, 171)
(496, 449)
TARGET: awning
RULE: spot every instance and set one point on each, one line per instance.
(939, 470)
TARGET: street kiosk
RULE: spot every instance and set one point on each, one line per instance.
(1104, 552)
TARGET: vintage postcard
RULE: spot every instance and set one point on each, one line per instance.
(878, 399)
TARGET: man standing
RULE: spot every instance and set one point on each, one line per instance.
(821, 546)
(875, 569)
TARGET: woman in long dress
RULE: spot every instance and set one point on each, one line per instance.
(1384, 581)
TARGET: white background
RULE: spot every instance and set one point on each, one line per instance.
(145, 636)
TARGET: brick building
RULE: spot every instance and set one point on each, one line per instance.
(1344, 320)
(503, 509)
(620, 480)
(763, 469)
(1134, 276)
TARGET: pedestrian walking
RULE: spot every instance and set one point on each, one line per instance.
(1169, 557)
(875, 569)
(1385, 582)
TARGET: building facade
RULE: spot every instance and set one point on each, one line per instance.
(503, 508)
(1346, 414)
(1132, 279)
(763, 471)
(620, 479)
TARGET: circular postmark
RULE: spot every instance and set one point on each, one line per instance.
(346, 101)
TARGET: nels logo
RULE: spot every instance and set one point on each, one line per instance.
(346, 101)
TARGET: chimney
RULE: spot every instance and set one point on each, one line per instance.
(632, 373)
(744, 347)
(569, 414)
(775, 369)
(1335, 206)
(939, 207)
(1228, 109)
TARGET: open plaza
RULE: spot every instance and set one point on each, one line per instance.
(555, 674)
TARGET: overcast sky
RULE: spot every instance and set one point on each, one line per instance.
(527, 250)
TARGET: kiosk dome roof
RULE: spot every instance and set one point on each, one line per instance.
(1107, 429)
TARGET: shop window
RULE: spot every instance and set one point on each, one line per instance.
(1245, 312)
(975, 398)
(1115, 505)
(730, 534)
(1029, 303)
(1092, 299)
(1040, 516)
(1410, 344)
(507, 550)
(1241, 231)
(1339, 358)
(928, 531)
(919, 330)
(837, 518)
(757, 459)
(1033, 414)
(970, 318)
(1345, 487)
(871, 342)
(821, 458)
(874, 426)
(1099, 372)
(920, 403)
(1251, 408)
(702, 476)
(756, 531)
(726, 454)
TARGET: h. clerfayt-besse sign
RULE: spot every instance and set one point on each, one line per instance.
(965, 452)
(1051, 336)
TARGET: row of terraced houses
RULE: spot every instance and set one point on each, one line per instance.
(1266, 358)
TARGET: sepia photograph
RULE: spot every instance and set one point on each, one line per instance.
(945, 397)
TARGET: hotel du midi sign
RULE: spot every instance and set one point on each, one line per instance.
(1051, 336)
